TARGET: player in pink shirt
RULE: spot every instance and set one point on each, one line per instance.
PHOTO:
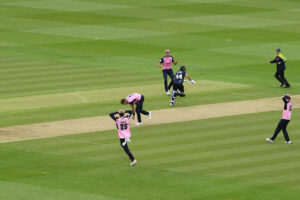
(138, 99)
(166, 64)
(123, 127)
(286, 117)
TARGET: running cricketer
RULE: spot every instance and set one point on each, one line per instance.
(137, 99)
(280, 60)
(166, 65)
(178, 88)
(286, 117)
(123, 128)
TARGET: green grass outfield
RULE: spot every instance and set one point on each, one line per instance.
(66, 59)
(214, 159)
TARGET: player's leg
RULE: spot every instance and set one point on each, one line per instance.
(165, 75)
(174, 94)
(144, 112)
(171, 75)
(285, 133)
(126, 149)
(181, 89)
(277, 130)
(139, 110)
(284, 80)
(278, 77)
(138, 113)
(173, 98)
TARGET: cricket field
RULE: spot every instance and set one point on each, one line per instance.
(65, 65)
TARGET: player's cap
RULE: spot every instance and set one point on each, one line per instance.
(182, 68)
(278, 50)
(167, 51)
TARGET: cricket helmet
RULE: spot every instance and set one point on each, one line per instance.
(182, 68)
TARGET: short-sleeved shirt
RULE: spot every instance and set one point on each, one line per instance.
(179, 77)
(133, 98)
(287, 110)
(167, 62)
(123, 127)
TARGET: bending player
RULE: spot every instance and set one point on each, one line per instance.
(178, 88)
(122, 123)
(137, 99)
(286, 117)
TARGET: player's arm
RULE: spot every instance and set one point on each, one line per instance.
(188, 77)
(284, 98)
(274, 61)
(160, 64)
(129, 113)
(112, 115)
(174, 62)
(133, 110)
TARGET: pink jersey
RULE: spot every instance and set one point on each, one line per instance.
(133, 98)
(287, 110)
(123, 127)
(167, 62)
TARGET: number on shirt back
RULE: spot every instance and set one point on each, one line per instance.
(179, 76)
(123, 126)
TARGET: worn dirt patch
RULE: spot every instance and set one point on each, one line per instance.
(163, 116)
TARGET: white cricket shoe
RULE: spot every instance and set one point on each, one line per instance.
(133, 163)
(168, 92)
(149, 116)
(288, 142)
(171, 104)
(139, 123)
(269, 140)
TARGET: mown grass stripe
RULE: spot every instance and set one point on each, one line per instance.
(32, 68)
(273, 177)
(273, 166)
(212, 155)
(51, 72)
